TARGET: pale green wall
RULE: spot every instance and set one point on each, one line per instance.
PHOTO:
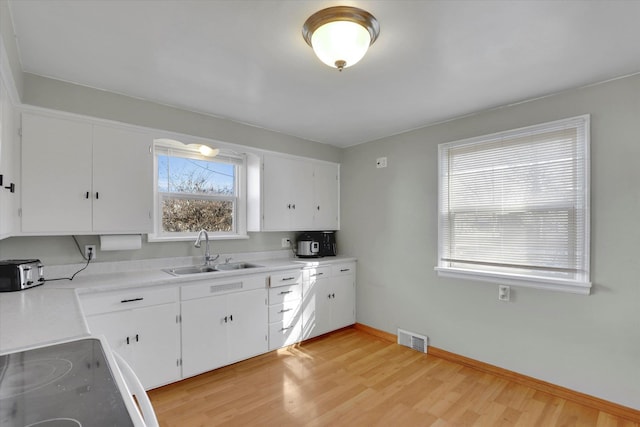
(58, 95)
(389, 221)
(8, 38)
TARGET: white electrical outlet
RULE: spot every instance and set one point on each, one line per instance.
(286, 243)
(381, 162)
(90, 249)
(504, 293)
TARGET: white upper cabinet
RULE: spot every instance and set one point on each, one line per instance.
(79, 177)
(8, 170)
(299, 194)
(122, 180)
(326, 206)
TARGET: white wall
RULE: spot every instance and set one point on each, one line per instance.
(389, 221)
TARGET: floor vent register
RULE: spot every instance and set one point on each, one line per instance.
(412, 340)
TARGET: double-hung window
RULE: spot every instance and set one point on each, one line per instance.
(514, 207)
(196, 192)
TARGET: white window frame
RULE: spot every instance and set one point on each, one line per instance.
(580, 283)
(185, 148)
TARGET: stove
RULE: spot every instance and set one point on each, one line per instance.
(62, 385)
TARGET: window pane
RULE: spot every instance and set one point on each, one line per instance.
(193, 176)
(193, 215)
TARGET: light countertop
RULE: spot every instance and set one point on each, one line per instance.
(51, 312)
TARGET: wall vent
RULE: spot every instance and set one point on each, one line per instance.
(412, 340)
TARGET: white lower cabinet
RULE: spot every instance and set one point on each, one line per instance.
(329, 298)
(285, 309)
(223, 321)
(142, 326)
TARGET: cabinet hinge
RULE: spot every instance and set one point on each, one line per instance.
(150, 149)
(178, 362)
(20, 212)
(19, 131)
(178, 318)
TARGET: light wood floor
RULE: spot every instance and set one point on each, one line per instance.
(351, 378)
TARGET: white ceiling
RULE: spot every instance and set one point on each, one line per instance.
(246, 60)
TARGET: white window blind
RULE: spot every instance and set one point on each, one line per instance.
(514, 206)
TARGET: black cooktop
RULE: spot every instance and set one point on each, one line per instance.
(61, 385)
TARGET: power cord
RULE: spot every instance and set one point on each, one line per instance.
(88, 259)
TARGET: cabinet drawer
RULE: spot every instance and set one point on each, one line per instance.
(281, 335)
(314, 273)
(286, 312)
(207, 288)
(285, 278)
(284, 294)
(105, 302)
(344, 268)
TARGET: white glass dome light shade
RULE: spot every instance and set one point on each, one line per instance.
(340, 44)
(340, 35)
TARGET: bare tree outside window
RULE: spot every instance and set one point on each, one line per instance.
(196, 194)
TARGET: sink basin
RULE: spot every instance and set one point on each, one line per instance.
(192, 269)
(235, 266)
(199, 269)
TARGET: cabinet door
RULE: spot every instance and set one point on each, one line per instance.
(287, 194)
(316, 307)
(122, 180)
(277, 177)
(116, 329)
(343, 301)
(327, 196)
(248, 328)
(56, 175)
(147, 338)
(7, 164)
(155, 338)
(204, 334)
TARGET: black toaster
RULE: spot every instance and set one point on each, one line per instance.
(19, 274)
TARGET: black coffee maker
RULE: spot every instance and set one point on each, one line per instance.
(328, 243)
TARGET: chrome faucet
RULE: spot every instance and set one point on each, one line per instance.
(207, 252)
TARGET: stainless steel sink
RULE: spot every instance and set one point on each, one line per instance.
(199, 269)
(235, 266)
(192, 269)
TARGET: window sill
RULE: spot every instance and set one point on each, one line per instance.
(152, 238)
(559, 285)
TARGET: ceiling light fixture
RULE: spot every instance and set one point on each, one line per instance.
(341, 35)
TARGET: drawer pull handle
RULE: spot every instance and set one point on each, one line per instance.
(131, 300)
(286, 329)
(317, 274)
(287, 278)
(345, 269)
(285, 310)
(285, 292)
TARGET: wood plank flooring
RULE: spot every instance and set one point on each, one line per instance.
(351, 378)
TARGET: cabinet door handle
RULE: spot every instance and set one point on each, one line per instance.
(333, 295)
(97, 195)
(294, 206)
(317, 274)
(11, 188)
(318, 207)
(345, 269)
(285, 329)
(285, 292)
(285, 310)
(131, 300)
(231, 317)
(226, 319)
(86, 196)
(284, 279)
(137, 340)
(127, 340)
